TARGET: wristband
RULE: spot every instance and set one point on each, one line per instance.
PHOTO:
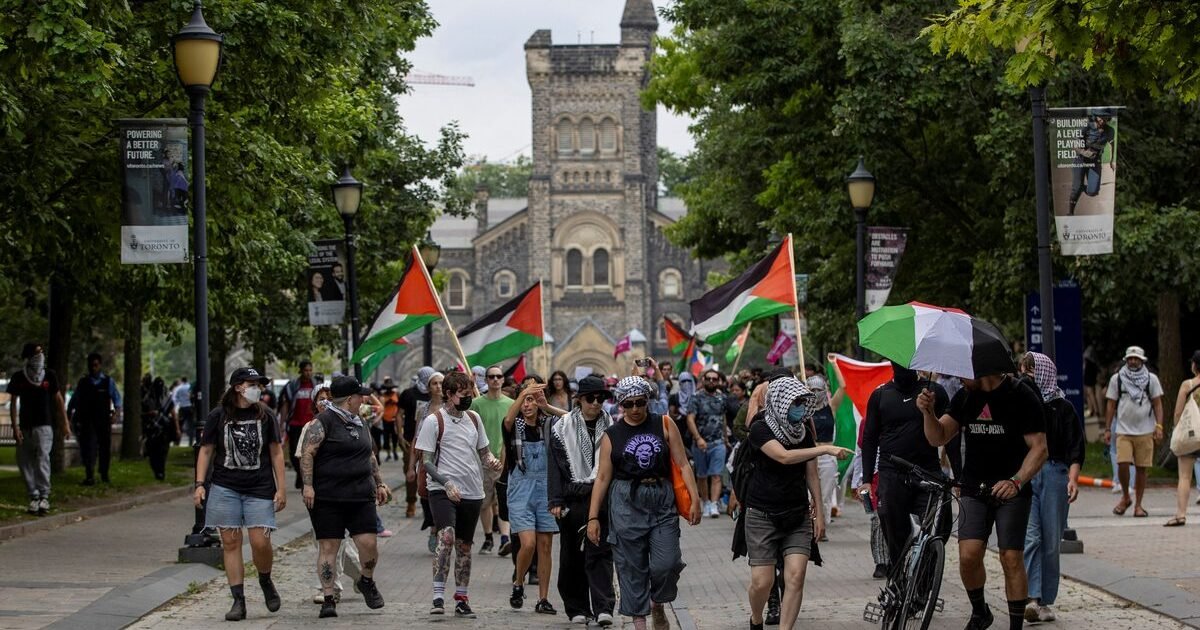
(199, 484)
(594, 518)
(1016, 482)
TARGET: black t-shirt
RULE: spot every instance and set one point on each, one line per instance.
(242, 450)
(532, 434)
(775, 487)
(408, 404)
(996, 445)
(36, 401)
(640, 452)
(897, 427)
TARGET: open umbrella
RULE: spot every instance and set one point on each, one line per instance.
(943, 340)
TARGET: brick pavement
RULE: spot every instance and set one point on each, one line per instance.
(712, 589)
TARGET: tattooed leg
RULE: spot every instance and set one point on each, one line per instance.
(462, 566)
(325, 562)
(441, 560)
(368, 553)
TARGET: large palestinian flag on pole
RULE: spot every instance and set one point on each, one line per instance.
(413, 305)
(764, 290)
(860, 379)
(505, 332)
(373, 361)
(677, 337)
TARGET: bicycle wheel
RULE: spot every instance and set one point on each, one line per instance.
(924, 587)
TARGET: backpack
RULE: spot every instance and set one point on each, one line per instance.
(422, 483)
(1185, 437)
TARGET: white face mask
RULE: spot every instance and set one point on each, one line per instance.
(252, 393)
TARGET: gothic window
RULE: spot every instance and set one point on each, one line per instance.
(608, 136)
(587, 137)
(574, 268)
(456, 290)
(566, 139)
(505, 283)
(670, 284)
(600, 268)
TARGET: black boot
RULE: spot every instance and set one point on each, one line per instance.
(238, 611)
(328, 608)
(269, 592)
(772, 616)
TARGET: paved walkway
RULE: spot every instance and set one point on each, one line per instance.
(713, 588)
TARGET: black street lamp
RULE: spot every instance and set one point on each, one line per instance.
(347, 196)
(431, 253)
(197, 53)
(861, 185)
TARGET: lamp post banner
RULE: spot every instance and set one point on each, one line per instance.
(154, 190)
(1083, 156)
(885, 247)
(326, 283)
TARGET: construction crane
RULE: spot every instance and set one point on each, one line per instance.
(418, 77)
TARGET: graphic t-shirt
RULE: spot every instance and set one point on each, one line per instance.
(710, 415)
(996, 445)
(776, 487)
(302, 410)
(242, 455)
(458, 459)
(35, 401)
(640, 452)
(492, 413)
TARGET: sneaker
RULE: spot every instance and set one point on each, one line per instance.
(880, 571)
(980, 622)
(387, 533)
(604, 619)
(1044, 613)
(658, 617)
(772, 616)
(487, 545)
(33, 506)
(544, 607)
(517, 599)
(579, 619)
(463, 609)
(43, 506)
(270, 593)
(328, 608)
(716, 511)
(1116, 489)
(370, 592)
(237, 612)
(505, 548)
(438, 608)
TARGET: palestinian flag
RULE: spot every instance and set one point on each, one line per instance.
(517, 370)
(414, 304)
(764, 290)
(677, 337)
(860, 379)
(735, 349)
(505, 332)
(373, 361)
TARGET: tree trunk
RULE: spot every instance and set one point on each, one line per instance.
(58, 350)
(131, 432)
(1170, 361)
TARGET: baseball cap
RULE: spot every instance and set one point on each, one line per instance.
(344, 386)
(243, 374)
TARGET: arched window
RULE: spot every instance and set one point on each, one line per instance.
(600, 268)
(505, 283)
(670, 284)
(608, 136)
(566, 140)
(587, 137)
(456, 291)
(574, 268)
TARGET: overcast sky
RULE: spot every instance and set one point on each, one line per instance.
(484, 39)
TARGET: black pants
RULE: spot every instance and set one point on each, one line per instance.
(156, 450)
(584, 571)
(94, 436)
(898, 499)
(293, 441)
(391, 438)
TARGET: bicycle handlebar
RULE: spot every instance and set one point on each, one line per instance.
(922, 473)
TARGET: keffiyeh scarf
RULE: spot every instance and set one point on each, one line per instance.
(820, 390)
(572, 431)
(519, 437)
(423, 377)
(346, 416)
(1045, 374)
(35, 368)
(632, 387)
(781, 394)
(1135, 382)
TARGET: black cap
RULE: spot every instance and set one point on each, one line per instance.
(243, 374)
(344, 386)
(592, 385)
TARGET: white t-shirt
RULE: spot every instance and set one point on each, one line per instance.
(1133, 418)
(182, 396)
(459, 457)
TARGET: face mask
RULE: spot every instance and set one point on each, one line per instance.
(796, 414)
(905, 379)
(464, 403)
(251, 394)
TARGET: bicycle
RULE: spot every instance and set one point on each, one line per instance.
(910, 596)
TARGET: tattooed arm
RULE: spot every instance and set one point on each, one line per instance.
(436, 475)
(382, 491)
(312, 442)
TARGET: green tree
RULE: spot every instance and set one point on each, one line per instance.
(672, 172)
(501, 179)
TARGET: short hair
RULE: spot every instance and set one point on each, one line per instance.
(455, 382)
(305, 363)
(95, 356)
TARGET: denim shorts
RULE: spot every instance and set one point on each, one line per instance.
(711, 462)
(229, 509)
(528, 507)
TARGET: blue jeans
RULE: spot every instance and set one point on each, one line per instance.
(1043, 535)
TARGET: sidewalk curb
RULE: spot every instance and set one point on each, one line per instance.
(47, 523)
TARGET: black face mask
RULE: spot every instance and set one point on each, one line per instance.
(906, 380)
(464, 403)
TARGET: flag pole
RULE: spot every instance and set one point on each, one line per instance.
(442, 310)
(742, 346)
(796, 302)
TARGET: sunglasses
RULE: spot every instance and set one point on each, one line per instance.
(630, 404)
(495, 376)
(593, 398)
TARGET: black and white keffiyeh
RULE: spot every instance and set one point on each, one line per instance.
(1135, 382)
(632, 387)
(346, 416)
(35, 369)
(781, 393)
(519, 437)
(572, 431)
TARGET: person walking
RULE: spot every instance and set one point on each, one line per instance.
(1190, 388)
(181, 399)
(295, 408)
(1054, 488)
(241, 441)
(35, 403)
(528, 512)
(706, 422)
(432, 384)
(636, 458)
(409, 399)
(160, 425)
(558, 391)
(391, 414)
(585, 570)
(1135, 399)
(453, 444)
(824, 426)
(492, 407)
(94, 407)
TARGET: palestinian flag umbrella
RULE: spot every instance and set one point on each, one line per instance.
(943, 340)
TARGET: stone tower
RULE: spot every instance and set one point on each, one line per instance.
(594, 185)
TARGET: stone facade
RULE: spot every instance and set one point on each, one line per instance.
(591, 228)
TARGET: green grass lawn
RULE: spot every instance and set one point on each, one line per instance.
(1096, 464)
(128, 477)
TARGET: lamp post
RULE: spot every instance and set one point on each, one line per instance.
(431, 252)
(347, 196)
(861, 186)
(197, 54)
